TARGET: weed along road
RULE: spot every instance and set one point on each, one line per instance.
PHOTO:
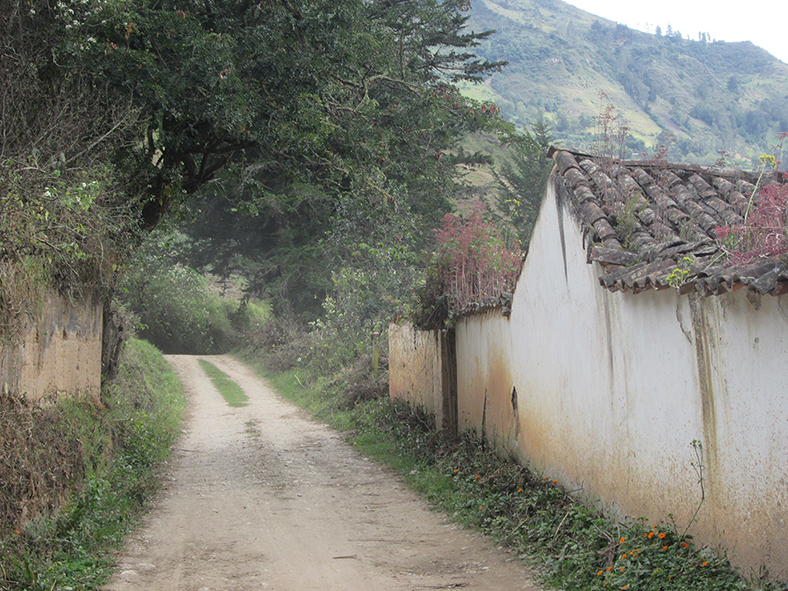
(259, 496)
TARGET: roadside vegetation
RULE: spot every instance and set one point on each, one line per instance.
(78, 471)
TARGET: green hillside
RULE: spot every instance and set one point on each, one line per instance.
(710, 95)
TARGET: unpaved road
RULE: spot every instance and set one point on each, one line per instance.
(263, 497)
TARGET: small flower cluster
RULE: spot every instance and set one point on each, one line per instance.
(651, 557)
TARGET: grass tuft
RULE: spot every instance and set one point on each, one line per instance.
(232, 393)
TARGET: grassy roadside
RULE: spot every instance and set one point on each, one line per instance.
(109, 450)
(569, 545)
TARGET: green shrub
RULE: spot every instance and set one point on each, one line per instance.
(178, 310)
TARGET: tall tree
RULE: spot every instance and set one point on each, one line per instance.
(522, 179)
(288, 90)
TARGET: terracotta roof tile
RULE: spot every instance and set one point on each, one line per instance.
(651, 222)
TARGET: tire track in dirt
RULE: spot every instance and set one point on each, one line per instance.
(263, 497)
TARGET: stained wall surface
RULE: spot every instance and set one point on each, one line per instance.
(415, 369)
(606, 392)
(58, 350)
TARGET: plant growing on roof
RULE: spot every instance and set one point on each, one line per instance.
(763, 233)
(472, 262)
(678, 277)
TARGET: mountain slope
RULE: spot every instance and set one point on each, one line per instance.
(711, 96)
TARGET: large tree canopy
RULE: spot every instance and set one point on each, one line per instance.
(296, 124)
(321, 91)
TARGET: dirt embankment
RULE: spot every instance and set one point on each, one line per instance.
(262, 497)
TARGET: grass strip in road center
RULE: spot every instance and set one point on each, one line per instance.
(230, 391)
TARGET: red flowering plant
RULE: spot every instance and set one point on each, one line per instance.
(763, 234)
(472, 262)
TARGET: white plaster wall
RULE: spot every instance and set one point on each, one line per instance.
(414, 368)
(484, 383)
(613, 388)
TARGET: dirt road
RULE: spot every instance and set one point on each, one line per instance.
(263, 497)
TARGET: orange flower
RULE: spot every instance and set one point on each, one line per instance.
(555, 482)
(622, 568)
(477, 476)
(481, 508)
(621, 541)
(519, 490)
(650, 535)
(623, 556)
(456, 470)
(609, 568)
(706, 563)
(600, 572)
(625, 587)
(684, 545)
(664, 547)
(662, 535)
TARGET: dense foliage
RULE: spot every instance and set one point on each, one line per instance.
(322, 93)
(64, 219)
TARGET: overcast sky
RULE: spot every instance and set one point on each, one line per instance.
(763, 21)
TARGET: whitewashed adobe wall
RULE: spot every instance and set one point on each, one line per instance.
(58, 350)
(415, 369)
(607, 391)
(614, 387)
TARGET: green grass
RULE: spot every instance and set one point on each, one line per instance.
(122, 441)
(232, 393)
(568, 544)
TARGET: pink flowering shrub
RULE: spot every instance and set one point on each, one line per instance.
(764, 232)
(473, 261)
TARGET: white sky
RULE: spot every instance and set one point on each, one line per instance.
(763, 21)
